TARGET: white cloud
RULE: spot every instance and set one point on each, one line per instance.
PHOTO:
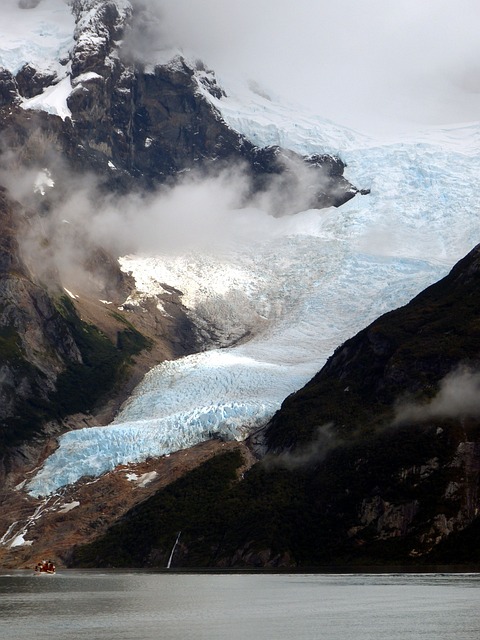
(458, 397)
(372, 64)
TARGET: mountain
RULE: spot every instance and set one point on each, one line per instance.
(133, 127)
(159, 221)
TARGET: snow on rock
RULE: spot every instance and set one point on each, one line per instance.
(73, 296)
(16, 532)
(20, 541)
(143, 480)
(69, 506)
(43, 181)
(98, 25)
(86, 77)
(62, 39)
(53, 99)
(285, 292)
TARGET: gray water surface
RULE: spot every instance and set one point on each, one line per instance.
(150, 606)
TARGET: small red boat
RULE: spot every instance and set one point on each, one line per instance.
(45, 566)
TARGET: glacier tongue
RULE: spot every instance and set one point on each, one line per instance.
(299, 285)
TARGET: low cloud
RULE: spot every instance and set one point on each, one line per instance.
(67, 217)
(192, 215)
(458, 397)
(311, 454)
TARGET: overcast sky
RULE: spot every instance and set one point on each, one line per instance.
(370, 64)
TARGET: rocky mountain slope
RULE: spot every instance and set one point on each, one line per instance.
(61, 357)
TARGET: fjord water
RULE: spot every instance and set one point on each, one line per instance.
(148, 606)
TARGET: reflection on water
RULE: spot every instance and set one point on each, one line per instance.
(149, 606)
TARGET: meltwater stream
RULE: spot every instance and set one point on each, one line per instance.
(298, 286)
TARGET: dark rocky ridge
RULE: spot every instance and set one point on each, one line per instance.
(406, 352)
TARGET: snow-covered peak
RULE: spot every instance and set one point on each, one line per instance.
(66, 41)
(281, 301)
(99, 28)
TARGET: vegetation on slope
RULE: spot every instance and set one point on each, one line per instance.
(83, 384)
(303, 517)
(190, 505)
(79, 387)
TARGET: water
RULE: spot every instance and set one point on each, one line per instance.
(150, 606)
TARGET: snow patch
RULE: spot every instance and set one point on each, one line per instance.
(143, 480)
(53, 100)
(20, 541)
(43, 181)
(69, 506)
(85, 77)
(73, 296)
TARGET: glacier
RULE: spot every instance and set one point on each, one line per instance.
(283, 298)
(42, 36)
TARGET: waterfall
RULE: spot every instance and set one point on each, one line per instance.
(169, 563)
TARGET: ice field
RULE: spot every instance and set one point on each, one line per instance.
(283, 293)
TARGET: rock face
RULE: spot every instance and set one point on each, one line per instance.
(61, 356)
(31, 82)
(139, 125)
(34, 339)
(155, 121)
(387, 395)
(8, 88)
